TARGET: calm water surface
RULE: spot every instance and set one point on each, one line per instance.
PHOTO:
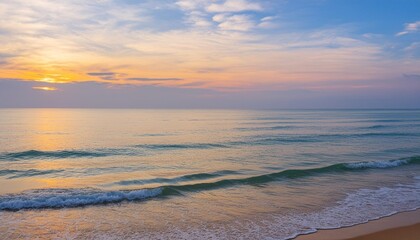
(207, 174)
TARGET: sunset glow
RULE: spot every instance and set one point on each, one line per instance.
(217, 47)
(209, 119)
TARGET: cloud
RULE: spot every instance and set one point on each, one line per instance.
(234, 22)
(55, 41)
(267, 22)
(220, 17)
(194, 11)
(108, 76)
(4, 58)
(152, 79)
(412, 47)
(237, 23)
(196, 84)
(412, 76)
(188, 5)
(268, 18)
(101, 74)
(413, 26)
(234, 6)
(199, 19)
(204, 14)
(119, 76)
(410, 28)
(211, 70)
(372, 36)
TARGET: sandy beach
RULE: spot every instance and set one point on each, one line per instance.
(407, 233)
(404, 225)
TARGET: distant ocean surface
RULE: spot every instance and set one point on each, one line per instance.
(203, 174)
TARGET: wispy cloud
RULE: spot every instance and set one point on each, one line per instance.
(267, 22)
(188, 5)
(153, 79)
(234, 6)
(237, 23)
(101, 74)
(410, 28)
(412, 76)
(227, 15)
(229, 43)
(412, 47)
(105, 75)
(199, 19)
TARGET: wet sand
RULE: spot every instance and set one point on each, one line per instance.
(407, 233)
(404, 225)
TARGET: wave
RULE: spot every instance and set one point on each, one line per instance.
(264, 178)
(136, 150)
(66, 198)
(279, 127)
(383, 121)
(31, 154)
(146, 149)
(38, 154)
(26, 173)
(375, 127)
(291, 174)
(381, 126)
(389, 120)
(383, 164)
(62, 198)
(182, 146)
(269, 140)
(189, 177)
(359, 206)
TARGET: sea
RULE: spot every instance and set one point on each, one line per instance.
(203, 174)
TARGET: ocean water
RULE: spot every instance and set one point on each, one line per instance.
(203, 174)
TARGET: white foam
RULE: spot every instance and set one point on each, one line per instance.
(358, 207)
(60, 198)
(378, 164)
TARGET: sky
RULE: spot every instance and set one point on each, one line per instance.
(263, 54)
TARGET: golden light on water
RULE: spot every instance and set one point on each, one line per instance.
(45, 88)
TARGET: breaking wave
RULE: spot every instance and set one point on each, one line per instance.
(65, 198)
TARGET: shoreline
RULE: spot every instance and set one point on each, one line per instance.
(405, 225)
